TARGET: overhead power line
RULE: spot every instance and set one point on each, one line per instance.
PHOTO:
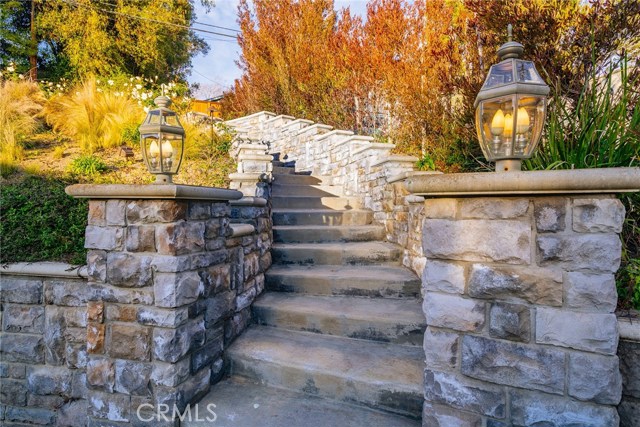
(142, 18)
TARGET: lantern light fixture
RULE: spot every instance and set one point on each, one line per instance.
(511, 108)
(162, 141)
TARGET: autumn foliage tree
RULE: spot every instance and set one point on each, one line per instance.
(409, 71)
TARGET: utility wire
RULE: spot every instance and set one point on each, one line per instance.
(195, 22)
(76, 4)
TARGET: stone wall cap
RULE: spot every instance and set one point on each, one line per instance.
(252, 147)
(249, 201)
(151, 191)
(364, 146)
(279, 117)
(629, 328)
(333, 132)
(396, 159)
(313, 127)
(297, 122)
(239, 230)
(262, 157)
(250, 176)
(404, 175)
(250, 116)
(45, 269)
(575, 181)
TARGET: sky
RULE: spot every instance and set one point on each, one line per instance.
(217, 70)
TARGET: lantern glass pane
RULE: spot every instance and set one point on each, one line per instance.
(529, 124)
(495, 121)
(526, 73)
(170, 118)
(154, 117)
(499, 74)
(151, 152)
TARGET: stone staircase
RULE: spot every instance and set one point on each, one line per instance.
(341, 318)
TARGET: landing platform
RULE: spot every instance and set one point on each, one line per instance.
(241, 403)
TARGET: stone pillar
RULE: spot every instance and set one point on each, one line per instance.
(254, 170)
(519, 297)
(160, 293)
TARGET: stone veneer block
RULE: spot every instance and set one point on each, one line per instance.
(97, 212)
(550, 213)
(453, 312)
(629, 353)
(493, 208)
(443, 276)
(532, 408)
(595, 252)
(517, 365)
(177, 289)
(442, 416)
(598, 215)
(107, 238)
(153, 211)
(593, 332)
(505, 241)
(440, 208)
(449, 389)
(595, 378)
(590, 291)
(128, 341)
(116, 212)
(441, 349)
(510, 321)
(180, 238)
(532, 284)
(128, 271)
(21, 291)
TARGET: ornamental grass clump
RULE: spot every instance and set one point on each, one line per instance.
(91, 116)
(20, 107)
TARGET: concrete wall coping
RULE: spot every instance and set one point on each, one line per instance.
(404, 175)
(250, 177)
(396, 159)
(250, 116)
(151, 191)
(575, 181)
(364, 146)
(252, 147)
(45, 269)
(313, 127)
(249, 201)
(337, 132)
(629, 328)
(262, 157)
(240, 230)
(297, 122)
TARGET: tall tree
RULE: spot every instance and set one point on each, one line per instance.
(139, 37)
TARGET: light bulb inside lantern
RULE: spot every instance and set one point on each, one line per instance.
(508, 125)
(167, 149)
(497, 124)
(523, 121)
(154, 150)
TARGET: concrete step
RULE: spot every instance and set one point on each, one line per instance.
(302, 202)
(399, 321)
(327, 217)
(286, 190)
(381, 375)
(354, 253)
(296, 179)
(370, 281)
(244, 403)
(279, 169)
(322, 233)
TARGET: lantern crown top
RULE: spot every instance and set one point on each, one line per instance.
(510, 49)
(162, 101)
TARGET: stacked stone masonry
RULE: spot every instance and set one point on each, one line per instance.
(519, 297)
(169, 288)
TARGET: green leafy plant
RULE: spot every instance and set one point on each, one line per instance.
(600, 129)
(87, 165)
(41, 223)
(426, 163)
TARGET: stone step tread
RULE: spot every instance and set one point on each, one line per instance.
(395, 367)
(325, 233)
(406, 311)
(371, 280)
(344, 247)
(244, 403)
(317, 211)
(324, 227)
(364, 272)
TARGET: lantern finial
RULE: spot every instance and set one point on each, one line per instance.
(510, 49)
(510, 32)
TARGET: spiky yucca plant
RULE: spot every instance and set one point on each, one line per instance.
(20, 106)
(93, 118)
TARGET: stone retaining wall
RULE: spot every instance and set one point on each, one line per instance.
(519, 297)
(169, 286)
(629, 354)
(43, 352)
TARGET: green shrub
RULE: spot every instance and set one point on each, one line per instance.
(87, 165)
(41, 223)
(426, 163)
